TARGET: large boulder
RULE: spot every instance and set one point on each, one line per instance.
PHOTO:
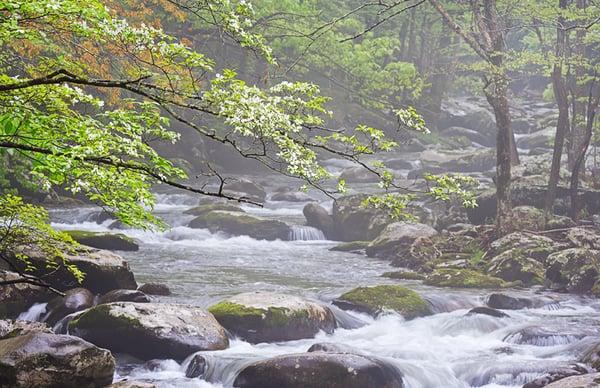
(18, 297)
(150, 330)
(241, 224)
(291, 196)
(532, 245)
(246, 189)
(509, 302)
(573, 269)
(109, 241)
(354, 222)
(515, 265)
(539, 139)
(320, 369)
(317, 217)
(378, 299)
(473, 136)
(462, 278)
(10, 328)
(398, 236)
(74, 300)
(359, 175)
(38, 359)
(266, 317)
(581, 237)
(590, 380)
(212, 206)
(155, 289)
(104, 270)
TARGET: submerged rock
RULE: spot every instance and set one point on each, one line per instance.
(18, 297)
(109, 241)
(317, 217)
(462, 278)
(155, 289)
(150, 330)
(241, 224)
(351, 246)
(266, 317)
(376, 300)
(39, 359)
(320, 369)
(74, 300)
(556, 375)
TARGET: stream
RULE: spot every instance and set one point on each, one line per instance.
(447, 349)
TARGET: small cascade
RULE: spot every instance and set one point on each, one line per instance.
(34, 314)
(305, 233)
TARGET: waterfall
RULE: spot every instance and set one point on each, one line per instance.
(34, 314)
(305, 233)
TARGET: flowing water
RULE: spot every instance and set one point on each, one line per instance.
(447, 349)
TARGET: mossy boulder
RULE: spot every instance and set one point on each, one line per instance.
(209, 207)
(18, 297)
(378, 299)
(150, 330)
(574, 269)
(397, 237)
(532, 245)
(354, 222)
(580, 237)
(240, 224)
(462, 278)
(39, 359)
(318, 217)
(109, 241)
(515, 265)
(320, 369)
(351, 246)
(266, 317)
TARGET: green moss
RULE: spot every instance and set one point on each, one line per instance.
(351, 246)
(404, 275)
(476, 257)
(100, 317)
(229, 313)
(388, 297)
(463, 278)
(234, 309)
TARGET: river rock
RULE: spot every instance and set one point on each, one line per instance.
(109, 241)
(317, 217)
(539, 139)
(591, 356)
(104, 270)
(74, 300)
(473, 136)
(515, 265)
(591, 380)
(462, 278)
(18, 297)
(241, 224)
(398, 236)
(291, 196)
(532, 245)
(574, 269)
(540, 336)
(155, 289)
(378, 299)
(330, 347)
(124, 296)
(487, 311)
(10, 328)
(320, 369)
(266, 317)
(245, 188)
(209, 207)
(196, 367)
(359, 175)
(41, 359)
(131, 384)
(351, 246)
(556, 375)
(508, 302)
(150, 330)
(354, 222)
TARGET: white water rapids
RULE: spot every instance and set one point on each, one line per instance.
(447, 349)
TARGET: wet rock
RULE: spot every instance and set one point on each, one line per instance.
(10, 328)
(131, 384)
(320, 369)
(104, 270)
(487, 311)
(241, 224)
(352, 246)
(557, 374)
(150, 330)
(462, 278)
(124, 296)
(74, 300)
(51, 360)
(508, 302)
(540, 336)
(196, 367)
(461, 112)
(404, 275)
(378, 299)
(513, 265)
(359, 175)
(591, 380)
(209, 207)
(291, 196)
(591, 356)
(329, 347)
(245, 188)
(267, 317)
(109, 241)
(396, 237)
(317, 217)
(155, 289)
(473, 136)
(574, 269)
(354, 222)
(18, 297)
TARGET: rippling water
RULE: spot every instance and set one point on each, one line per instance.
(447, 349)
